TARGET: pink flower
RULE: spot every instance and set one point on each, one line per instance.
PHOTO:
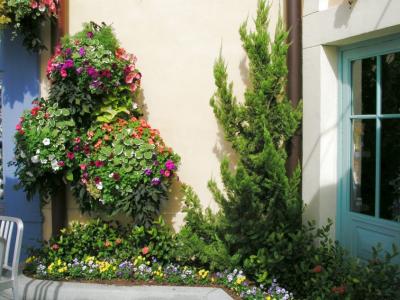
(167, 173)
(129, 78)
(63, 73)
(145, 250)
(18, 127)
(77, 140)
(55, 247)
(61, 163)
(70, 155)
(34, 5)
(82, 166)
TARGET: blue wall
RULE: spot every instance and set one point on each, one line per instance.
(20, 79)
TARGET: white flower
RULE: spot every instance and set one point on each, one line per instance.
(99, 185)
(22, 154)
(43, 161)
(111, 175)
(29, 174)
(101, 201)
(54, 165)
(35, 159)
(38, 151)
(134, 106)
(46, 141)
(51, 157)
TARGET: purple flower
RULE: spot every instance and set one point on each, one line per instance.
(90, 35)
(155, 181)
(162, 171)
(92, 72)
(147, 172)
(96, 84)
(82, 51)
(68, 52)
(69, 63)
(79, 70)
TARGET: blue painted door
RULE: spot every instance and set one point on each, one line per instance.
(19, 75)
(369, 194)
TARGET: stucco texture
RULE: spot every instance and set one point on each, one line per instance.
(176, 43)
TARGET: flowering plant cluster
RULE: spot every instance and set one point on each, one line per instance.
(92, 73)
(26, 16)
(89, 132)
(150, 270)
(122, 165)
(43, 135)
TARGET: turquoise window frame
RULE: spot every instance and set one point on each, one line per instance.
(374, 48)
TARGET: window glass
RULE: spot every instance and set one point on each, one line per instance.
(363, 167)
(364, 86)
(391, 83)
(390, 170)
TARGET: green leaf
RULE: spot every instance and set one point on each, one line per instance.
(69, 176)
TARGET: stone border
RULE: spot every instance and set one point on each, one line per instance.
(35, 289)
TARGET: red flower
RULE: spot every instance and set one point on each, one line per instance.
(35, 110)
(145, 250)
(317, 269)
(61, 163)
(99, 163)
(55, 247)
(70, 155)
(340, 290)
(116, 176)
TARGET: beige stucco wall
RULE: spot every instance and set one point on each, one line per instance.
(325, 30)
(177, 42)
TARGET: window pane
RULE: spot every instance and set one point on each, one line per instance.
(390, 170)
(363, 167)
(390, 83)
(364, 86)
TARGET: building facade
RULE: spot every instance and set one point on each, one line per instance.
(351, 72)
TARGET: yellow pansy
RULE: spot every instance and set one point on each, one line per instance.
(29, 259)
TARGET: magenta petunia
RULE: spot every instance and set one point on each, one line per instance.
(70, 155)
(82, 51)
(99, 163)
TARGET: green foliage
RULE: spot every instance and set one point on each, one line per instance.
(260, 200)
(198, 243)
(260, 221)
(43, 134)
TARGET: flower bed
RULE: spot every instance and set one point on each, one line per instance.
(98, 251)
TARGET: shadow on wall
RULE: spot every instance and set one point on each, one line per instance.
(20, 79)
(343, 13)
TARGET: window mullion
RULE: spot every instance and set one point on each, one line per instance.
(378, 135)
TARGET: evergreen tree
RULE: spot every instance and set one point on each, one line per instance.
(259, 200)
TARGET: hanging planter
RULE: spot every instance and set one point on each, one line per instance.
(26, 17)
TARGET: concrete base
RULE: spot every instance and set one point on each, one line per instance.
(34, 289)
